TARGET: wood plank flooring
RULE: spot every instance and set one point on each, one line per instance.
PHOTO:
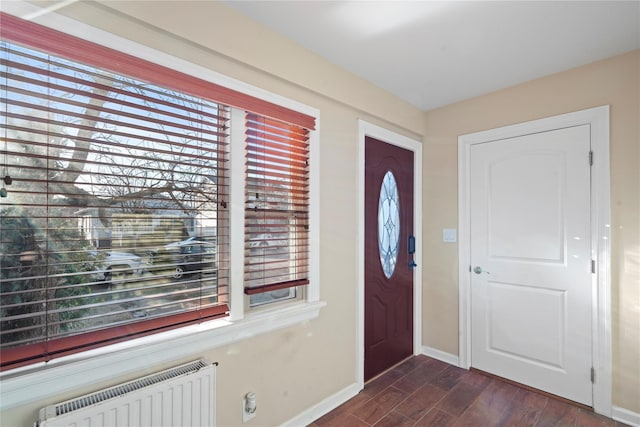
(425, 392)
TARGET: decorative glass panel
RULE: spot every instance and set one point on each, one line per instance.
(388, 224)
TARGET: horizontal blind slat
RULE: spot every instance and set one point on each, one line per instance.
(259, 121)
(210, 119)
(51, 77)
(93, 129)
(198, 129)
(257, 140)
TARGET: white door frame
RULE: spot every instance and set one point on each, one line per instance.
(598, 120)
(385, 135)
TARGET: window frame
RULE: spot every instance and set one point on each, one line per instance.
(27, 383)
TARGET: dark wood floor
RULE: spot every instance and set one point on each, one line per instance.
(426, 392)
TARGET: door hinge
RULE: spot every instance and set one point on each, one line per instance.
(593, 266)
(593, 375)
(590, 157)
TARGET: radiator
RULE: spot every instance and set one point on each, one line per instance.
(178, 397)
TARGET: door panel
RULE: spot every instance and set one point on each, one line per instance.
(388, 297)
(531, 255)
(508, 304)
(515, 192)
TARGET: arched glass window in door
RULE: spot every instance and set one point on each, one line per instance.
(388, 224)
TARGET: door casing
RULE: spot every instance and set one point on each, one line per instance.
(393, 138)
(598, 119)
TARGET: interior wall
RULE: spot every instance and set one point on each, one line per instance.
(295, 368)
(292, 369)
(615, 81)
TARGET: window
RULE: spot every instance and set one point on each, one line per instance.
(115, 222)
(113, 181)
(276, 209)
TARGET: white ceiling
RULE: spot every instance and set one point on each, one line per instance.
(434, 53)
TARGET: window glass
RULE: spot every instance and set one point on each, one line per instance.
(388, 224)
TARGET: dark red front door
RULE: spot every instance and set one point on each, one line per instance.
(388, 275)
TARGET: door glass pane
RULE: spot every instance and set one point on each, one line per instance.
(388, 224)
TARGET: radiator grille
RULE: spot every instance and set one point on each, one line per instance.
(131, 393)
(122, 389)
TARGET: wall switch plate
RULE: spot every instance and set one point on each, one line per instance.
(449, 235)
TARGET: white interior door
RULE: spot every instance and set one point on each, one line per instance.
(531, 286)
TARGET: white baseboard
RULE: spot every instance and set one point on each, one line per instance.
(324, 407)
(443, 356)
(625, 416)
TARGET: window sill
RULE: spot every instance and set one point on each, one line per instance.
(43, 380)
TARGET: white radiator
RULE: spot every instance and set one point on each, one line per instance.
(178, 397)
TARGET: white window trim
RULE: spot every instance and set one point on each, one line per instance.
(42, 380)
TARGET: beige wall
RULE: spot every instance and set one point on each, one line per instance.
(615, 81)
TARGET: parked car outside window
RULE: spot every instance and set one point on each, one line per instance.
(116, 266)
(266, 240)
(192, 256)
